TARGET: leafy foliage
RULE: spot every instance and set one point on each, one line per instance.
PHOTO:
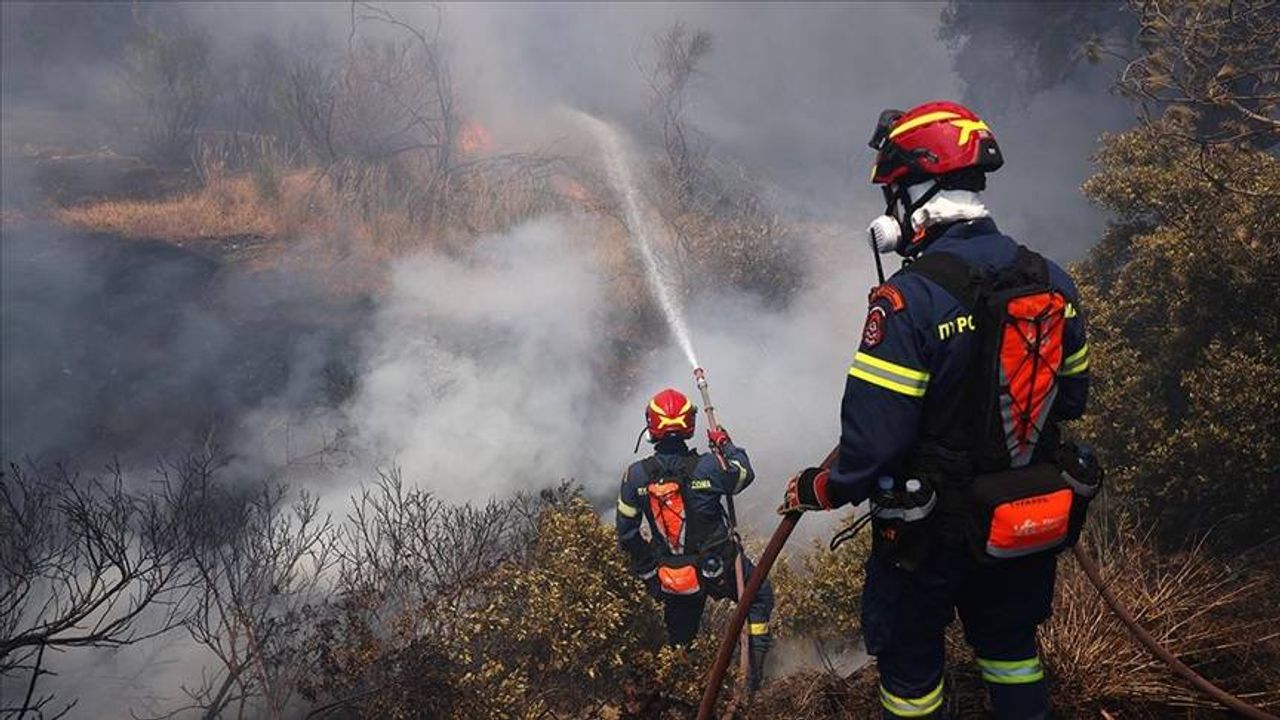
(1186, 322)
(1217, 61)
(546, 620)
(820, 599)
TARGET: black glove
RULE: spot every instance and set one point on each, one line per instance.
(806, 491)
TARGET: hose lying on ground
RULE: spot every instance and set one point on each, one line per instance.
(780, 535)
(1228, 700)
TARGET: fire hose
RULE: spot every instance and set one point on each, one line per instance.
(1226, 699)
(716, 675)
(744, 660)
(763, 564)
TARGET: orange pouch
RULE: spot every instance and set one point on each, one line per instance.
(1019, 512)
(679, 580)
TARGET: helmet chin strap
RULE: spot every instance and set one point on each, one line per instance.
(899, 197)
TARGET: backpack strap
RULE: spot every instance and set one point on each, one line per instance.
(687, 466)
(652, 468)
(654, 471)
(1029, 268)
(946, 429)
(952, 273)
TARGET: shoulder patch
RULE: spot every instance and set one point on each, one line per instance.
(873, 330)
(888, 293)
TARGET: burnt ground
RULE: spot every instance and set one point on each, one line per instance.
(110, 345)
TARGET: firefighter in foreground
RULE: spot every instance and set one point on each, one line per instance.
(970, 357)
(691, 552)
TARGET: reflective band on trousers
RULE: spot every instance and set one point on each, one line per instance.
(627, 510)
(1012, 672)
(756, 628)
(911, 707)
(890, 376)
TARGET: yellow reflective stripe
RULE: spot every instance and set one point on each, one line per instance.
(967, 128)
(756, 628)
(1076, 362)
(922, 120)
(1012, 672)
(889, 376)
(627, 510)
(911, 707)
(1077, 356)
(742, 474)
(887, 366)
(1068, 372)
(887, 384)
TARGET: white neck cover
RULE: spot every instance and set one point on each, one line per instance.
(947, 206)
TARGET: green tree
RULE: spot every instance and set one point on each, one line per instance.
(1182, 289)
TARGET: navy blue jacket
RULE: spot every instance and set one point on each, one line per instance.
(916, 346)
(708, 484)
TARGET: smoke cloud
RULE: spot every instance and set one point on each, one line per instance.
(479, 374)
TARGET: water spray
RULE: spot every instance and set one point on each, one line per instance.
(618, 168)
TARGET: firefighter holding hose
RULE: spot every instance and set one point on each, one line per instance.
(969, 359)
(692, 552)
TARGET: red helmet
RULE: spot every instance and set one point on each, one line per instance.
(931, 140)
(670, 414)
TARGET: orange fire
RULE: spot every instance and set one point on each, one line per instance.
(572, 190)
(473, 138)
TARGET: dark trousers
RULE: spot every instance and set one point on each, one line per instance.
(904, 616)
(683, 614)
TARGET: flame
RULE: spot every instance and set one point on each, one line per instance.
(572, 190)
(575, 192)
(473, 137)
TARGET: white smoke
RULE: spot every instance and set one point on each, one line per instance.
(478, 372)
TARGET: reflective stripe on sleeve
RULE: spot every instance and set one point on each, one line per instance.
(758, 628)
(1076, 362)
(626, 510)
(1011, 672)
(911, 707)
(890, 376)
(742, 475)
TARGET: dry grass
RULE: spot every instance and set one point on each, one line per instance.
(226, 207)
(1219, 620)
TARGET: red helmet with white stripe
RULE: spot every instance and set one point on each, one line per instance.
(670, 414)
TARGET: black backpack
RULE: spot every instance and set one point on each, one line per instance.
(991, 449)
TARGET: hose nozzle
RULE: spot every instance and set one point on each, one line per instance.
(700, 378)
